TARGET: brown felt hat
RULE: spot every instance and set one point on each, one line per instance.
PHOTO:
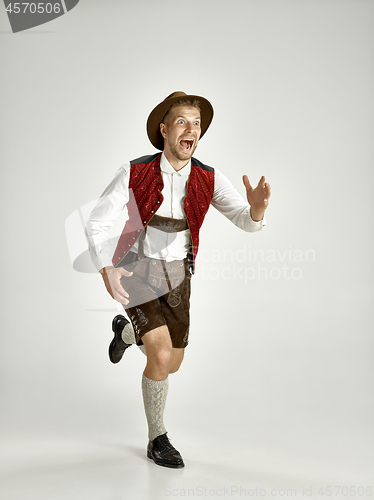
(157, 115)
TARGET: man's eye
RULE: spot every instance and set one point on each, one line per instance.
(180, 121)
(197, 123)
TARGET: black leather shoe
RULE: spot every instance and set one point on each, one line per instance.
(162, 452)
(118, 346)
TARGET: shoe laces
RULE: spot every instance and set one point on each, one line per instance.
(164, 442)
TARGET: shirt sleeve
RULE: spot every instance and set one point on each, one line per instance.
(232, 205)
(105, 214)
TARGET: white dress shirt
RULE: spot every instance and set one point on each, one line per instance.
(159, 244)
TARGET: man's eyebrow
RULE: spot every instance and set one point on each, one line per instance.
(184, 116)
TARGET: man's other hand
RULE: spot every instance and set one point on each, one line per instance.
(257, 197)
(112, 276)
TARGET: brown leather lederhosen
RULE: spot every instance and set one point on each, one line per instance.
(157, 279)
(164, 274)
(164, 277)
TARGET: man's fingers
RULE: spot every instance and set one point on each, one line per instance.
(112, 279)
(120, 299)
(120, 295)
(118, 288)
(246, 182)
(123, 271)
(267, 190)
(261, 182)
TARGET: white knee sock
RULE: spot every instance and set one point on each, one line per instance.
(154, 397)
(128, 336)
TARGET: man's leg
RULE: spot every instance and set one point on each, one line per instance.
(128, 336)
(162, 359)
(176, 360)
(177, 355)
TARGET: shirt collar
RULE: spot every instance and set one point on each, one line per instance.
(168, 169)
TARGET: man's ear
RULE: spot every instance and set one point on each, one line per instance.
(163, 130)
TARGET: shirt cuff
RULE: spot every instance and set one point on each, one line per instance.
(250, 225)
(261, 222)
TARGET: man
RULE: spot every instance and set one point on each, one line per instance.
(166, 196)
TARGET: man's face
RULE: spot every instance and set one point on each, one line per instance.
(181, 132)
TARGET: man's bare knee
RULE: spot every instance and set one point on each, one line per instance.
(161, 358)
(159, 353)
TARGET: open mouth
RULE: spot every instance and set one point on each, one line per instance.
(186, 144)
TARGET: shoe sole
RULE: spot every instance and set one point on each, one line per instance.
(164, 465)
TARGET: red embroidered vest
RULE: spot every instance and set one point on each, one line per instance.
(145, 188)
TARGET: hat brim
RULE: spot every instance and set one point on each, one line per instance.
(158, 113)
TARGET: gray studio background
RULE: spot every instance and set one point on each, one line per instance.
(276, 387)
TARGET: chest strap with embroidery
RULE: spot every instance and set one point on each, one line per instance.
(165, 224)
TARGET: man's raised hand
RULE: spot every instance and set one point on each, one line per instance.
(257, 197)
